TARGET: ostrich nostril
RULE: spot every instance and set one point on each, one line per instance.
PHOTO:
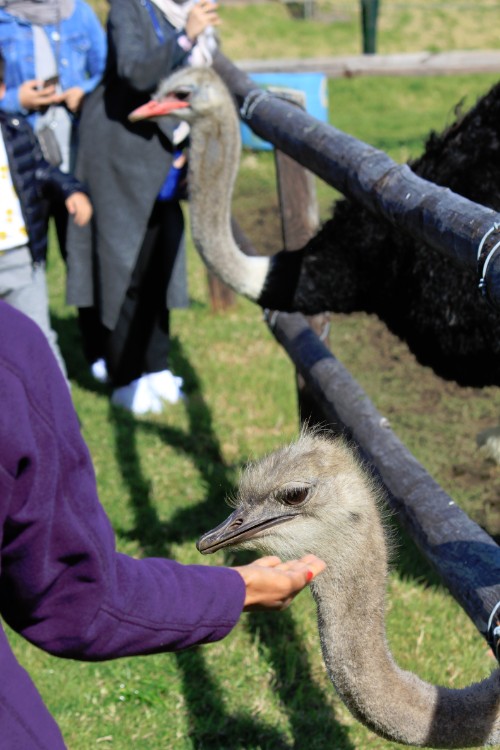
(237, 522)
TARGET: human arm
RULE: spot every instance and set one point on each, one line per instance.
(16, 44)
(96, 51)
(62, 584)
(84, 48)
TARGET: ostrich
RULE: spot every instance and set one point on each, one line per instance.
(314, 497)
(357, 261)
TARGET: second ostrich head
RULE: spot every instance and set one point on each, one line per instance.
(199, 97)
(314, 496)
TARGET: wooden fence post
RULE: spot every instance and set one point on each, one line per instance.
(221, 296)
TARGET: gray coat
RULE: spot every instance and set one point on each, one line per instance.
(123, 164)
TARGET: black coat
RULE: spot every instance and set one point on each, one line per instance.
(35, 181)
(124, 164)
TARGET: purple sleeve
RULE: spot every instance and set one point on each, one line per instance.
(62, 583)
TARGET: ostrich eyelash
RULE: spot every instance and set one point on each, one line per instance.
(293, 495)
(232, 501)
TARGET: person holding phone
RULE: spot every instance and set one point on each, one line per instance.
(55, 53)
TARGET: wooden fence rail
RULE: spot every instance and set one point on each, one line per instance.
(423, 63)
(448, 222)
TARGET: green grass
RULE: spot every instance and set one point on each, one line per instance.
(163, 479)
(267, 31)
(408, 107)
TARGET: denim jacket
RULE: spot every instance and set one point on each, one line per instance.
(80, 53)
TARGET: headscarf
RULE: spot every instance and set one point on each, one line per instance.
(176, 13)
(39, 12)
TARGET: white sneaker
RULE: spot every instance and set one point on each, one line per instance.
(137, 397)
(99, 371)
(166, 385)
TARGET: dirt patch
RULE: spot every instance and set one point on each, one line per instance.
(439, 421)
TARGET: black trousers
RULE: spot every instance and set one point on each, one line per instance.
(140, 341)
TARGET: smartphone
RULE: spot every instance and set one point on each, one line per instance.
(51, 81)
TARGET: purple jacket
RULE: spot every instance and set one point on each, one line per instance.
(62, 584)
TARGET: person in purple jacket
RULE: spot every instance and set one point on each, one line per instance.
(63, 586)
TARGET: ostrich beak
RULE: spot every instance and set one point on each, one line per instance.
(237, 528)
(156, 108)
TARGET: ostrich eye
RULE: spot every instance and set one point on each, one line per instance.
(183, 94)
(293, 495)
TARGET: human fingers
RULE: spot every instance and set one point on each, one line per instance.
(47, 96)
(57, 98)
(310, 563)
(73, 98)
(80, 208)
(275, 586)
(28, 93)
(268, 561)
(85, 212)
(207, 6)
(200, 16)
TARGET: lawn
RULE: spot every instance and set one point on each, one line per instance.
(164, 479)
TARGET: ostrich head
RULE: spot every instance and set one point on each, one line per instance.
(304, 498)
(190, 94)
(199, 97)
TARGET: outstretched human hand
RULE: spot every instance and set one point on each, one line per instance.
(272, 584)
(80, 208)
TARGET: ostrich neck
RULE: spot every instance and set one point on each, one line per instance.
(213, 164)
(395, 704)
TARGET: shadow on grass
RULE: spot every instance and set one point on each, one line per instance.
(211, 727)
